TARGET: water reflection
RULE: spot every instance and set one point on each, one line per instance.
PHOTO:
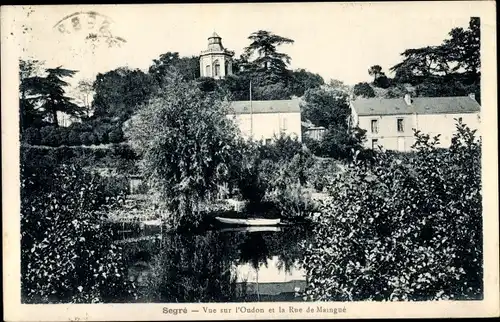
(227, 265)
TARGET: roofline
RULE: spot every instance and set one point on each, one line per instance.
(253, 101)
(413, 97)
(260, 112)
(393, 114)
(223, 52)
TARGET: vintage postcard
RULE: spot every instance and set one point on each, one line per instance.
(249, 161)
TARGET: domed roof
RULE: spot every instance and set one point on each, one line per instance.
(215, 42)
(214, 35)
(215, 46)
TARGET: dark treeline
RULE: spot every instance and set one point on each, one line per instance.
(449, 69)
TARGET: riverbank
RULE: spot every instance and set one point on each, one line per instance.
(137, 213)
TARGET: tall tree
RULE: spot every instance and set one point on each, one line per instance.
(464, 47)
(47, 93)
(120, 92)
(449, 69)
(29, 113)
(186, 144)
(375, 71)
(55, 99)
(327, 108)
(85, 91)
(264, 47)
(187, 67)
(379, 78)
(303, 80)
(363, 90)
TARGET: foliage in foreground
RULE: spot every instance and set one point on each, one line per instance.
(67, 255)
(402, 229)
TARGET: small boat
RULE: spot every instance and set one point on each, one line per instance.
(249, 221)
(155, 222)
(251, 229)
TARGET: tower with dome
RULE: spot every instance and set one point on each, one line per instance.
(216, 61)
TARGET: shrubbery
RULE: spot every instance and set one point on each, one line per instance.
(402, 229)
(67, 255)
(90, 132)
(276, 173)
(119, 157)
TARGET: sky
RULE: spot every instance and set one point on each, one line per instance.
(336, 40)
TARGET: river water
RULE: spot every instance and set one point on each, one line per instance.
(222, 265)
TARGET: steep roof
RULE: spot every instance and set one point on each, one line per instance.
(419, 105)
(277, 106)
(214, 35)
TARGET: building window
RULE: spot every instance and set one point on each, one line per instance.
(374, 126)
(401, 127)
(284, 124)
(217, 69)
(374, 143)
(207, 71)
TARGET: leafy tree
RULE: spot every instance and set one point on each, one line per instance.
(446, 69)
(364, 90)
(53, 94)
(43, 96)
(327, 108)
(340, 86)
(84, 93)
(375, 71)
(341, 143)
(186, 144)
(29, 112)
(379, 78)
(464, 48)
(188, 67)
(119, 93)
(303, 80)
(264, 46)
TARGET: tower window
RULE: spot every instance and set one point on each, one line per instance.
(207, 73)
(374, 143)
(217, 69)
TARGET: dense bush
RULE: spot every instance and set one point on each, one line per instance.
(90, 131)
(49, 136)
(276, 173)
(340, 144)
(32, 136)
(119, 157)
(67, 255)
(402, 228)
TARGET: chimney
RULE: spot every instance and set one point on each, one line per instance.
(473, 96)
(407, 99)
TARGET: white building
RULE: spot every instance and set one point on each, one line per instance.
(390, 122)
(262, 120)
(216, 61)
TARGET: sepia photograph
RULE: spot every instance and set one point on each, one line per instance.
(249, 160)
